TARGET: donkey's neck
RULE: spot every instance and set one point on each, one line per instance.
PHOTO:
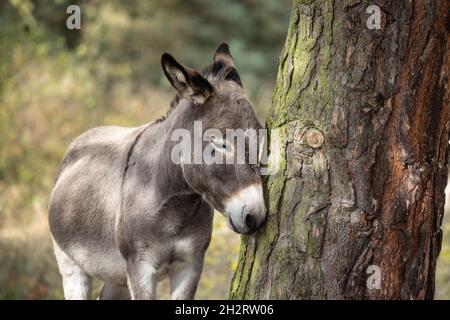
(153, 154)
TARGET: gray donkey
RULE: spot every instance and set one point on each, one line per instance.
(124, 212)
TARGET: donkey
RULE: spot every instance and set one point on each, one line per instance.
(122, 211)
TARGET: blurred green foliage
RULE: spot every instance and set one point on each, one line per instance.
(443, 265)
(55, 83)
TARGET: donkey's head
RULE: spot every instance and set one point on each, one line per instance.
(221, 167)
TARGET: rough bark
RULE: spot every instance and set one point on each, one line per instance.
(373, 192)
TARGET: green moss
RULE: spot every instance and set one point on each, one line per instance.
(304, 2)
(235, 282)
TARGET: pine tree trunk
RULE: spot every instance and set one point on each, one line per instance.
(364, 117)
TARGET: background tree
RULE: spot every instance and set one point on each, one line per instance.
(365, 121)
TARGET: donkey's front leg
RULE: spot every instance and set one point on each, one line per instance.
(142, 279)
(184, 278)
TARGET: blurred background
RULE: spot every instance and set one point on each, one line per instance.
(56, 83)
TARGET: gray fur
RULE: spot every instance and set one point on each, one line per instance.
(123, 212)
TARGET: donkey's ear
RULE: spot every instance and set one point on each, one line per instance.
(223, 54)
(189, 83)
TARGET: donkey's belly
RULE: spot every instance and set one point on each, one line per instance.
(82, 220)
(106, 265)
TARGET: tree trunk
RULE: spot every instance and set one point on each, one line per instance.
(356, 207)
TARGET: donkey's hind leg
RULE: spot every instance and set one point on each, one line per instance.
(77, 284)
(113, 292)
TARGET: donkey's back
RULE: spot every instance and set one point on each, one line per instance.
(86, 200)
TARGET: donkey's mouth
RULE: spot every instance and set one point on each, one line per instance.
(231, 224)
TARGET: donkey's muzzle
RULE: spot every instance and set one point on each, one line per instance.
(246, 210)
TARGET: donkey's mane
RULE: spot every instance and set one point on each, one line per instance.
(173, 105)
(217, 71)
(221, 71)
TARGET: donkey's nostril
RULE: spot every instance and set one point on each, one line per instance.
(250, 221)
